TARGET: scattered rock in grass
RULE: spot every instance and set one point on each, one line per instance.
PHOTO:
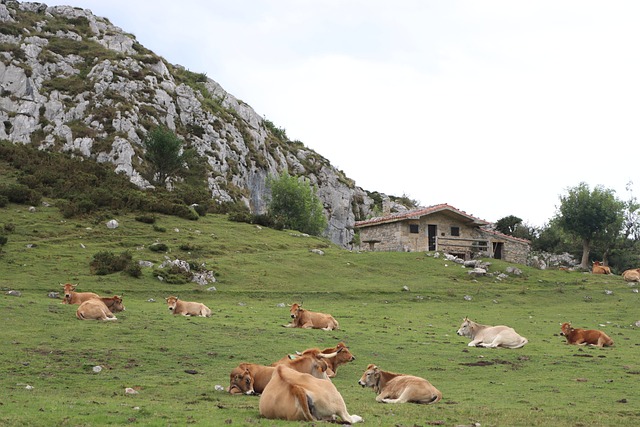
(191, 371)
(130, 390)
(14, 293)
(281, 305)
(97, 369)
(218, 387)
(405, 288)
(112, 224)
(317, 251)
(54, 295)
(581, 380)
(622, 401)
(468, 297)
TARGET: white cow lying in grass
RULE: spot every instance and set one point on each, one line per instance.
(490, 336)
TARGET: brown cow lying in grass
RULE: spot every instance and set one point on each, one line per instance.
(632, 275)
(100, 308)
(72, 297)
(599, 268)
(294, 396)
(585, 336)
(311, 319)
(187, 308)
(399, 388)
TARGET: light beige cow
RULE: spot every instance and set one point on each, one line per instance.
(632, 275)
(311, 319)
(399, 388)
(73, 297)
(294, 396)
(100, 308)
(187, 308)
(490, 336)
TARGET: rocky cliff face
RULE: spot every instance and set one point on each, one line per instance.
(71, 81)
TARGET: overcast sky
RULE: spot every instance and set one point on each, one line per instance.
(495, 107)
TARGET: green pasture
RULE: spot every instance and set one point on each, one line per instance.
(175, 363)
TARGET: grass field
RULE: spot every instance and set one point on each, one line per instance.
(175, 363)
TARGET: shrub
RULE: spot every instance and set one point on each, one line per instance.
(158, 247)
(18, 193)
(4, 201)
(106, 262)
(146, 219)
(9, 227)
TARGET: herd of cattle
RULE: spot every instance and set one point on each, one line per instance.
(298, 387)
(631, 275)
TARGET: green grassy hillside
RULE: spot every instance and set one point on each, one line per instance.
(175, 362)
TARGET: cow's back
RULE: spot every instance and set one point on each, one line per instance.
(94, 309)
(80, 297)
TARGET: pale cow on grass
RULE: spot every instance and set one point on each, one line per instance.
(100, 308)
(311, 319)
(632, 275)
(399, 388)
(294, 396)
(490, 336)
(578, 336)
(73, 297)
(187, 308)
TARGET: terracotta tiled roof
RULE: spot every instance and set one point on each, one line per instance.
(417, 213)
(506, 236)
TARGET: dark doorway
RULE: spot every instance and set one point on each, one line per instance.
(497, 250)
(432, 229)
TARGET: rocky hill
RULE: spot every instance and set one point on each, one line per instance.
(73, 82)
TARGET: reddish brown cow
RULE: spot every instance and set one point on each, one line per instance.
(585, 336)
(72, 297)
(343, 356)
(100, 308)
(399, 388)
(294, 396)
(311, 319)
(250, 378)
(599, 268)
(632, 275)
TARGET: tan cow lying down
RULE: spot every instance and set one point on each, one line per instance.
(585, 336)
(187, 308)
(294, 396)
(399, 388)
(632, 275)
(249, 378)
(100, 308)
(490, 336)
(343, 356)
(599, 268)
(72, 297)
(310, 319)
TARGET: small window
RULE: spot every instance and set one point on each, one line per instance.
(455, 231)
(414, 228)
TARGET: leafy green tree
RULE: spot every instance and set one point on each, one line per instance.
(591, 216)
(508, 224)
(295, 205)
(164, 153)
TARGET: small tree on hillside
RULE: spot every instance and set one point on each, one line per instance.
(164, 153)
(590, 216)
(295, 205)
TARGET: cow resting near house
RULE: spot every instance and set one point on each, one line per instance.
(250, 378)
(294, 396)
(399, 388)
(490, 336)
(73, 297)
(632, 275)
(599, 268)
(585, 336)
(310, 319)
(187, 308)
(343, 356)
(100, 308)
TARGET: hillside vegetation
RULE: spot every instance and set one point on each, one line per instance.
(176, 363)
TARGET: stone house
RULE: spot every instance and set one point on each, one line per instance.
(440, 228)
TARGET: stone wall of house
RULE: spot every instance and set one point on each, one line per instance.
(516, 252)
(383, 237)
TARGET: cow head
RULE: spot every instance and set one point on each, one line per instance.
(241, 381)
(296, 309)
(115, 304)
(371, 376)
(68, 289)
(171, 302)
(466, 328)
(565, 329)
(344, 355)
